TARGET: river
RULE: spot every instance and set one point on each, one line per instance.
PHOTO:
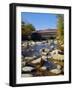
(36, 48)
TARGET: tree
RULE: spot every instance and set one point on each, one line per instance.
(27, 29)
(60, 29)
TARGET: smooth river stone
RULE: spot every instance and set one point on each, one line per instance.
(26, 75)
(58, 66)
(43, 68)
(27, 68)
(55, 71)
(36, 61)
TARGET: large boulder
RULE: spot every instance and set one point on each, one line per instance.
(56, 54)
(59, 66)
(43, 57)
(27, 69)
(55, 71)
(58, 57)
(43, 68)
(38, 60)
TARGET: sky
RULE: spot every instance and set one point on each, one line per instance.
(40, 20)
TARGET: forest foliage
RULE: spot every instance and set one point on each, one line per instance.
(27, 28)
(60, 30)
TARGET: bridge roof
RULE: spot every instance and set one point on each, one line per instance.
(46, 31)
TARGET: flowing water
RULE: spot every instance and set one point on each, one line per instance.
(35, 49)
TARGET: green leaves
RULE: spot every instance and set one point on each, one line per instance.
(60, 30)
(27, 28)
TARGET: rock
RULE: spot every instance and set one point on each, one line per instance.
(43, 68)
(26, 75)
(43, 42)
(32, 43)
(55, 41)
(30, 58)
(55, 52)
(23, 63)
(49, 56)
(43, 57)
(23, 44)
(49, 65)
(58, 66)
(38, 42)
(55, 71)
(55, 62)
(58, 57)
(44, 53)
(38, 73)
(52, 47)
(36, 61)
(27, 68)
(44, 50)
(55, 55)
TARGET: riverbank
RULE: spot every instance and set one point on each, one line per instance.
(41, 58)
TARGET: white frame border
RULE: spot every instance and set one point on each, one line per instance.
(19, 79)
